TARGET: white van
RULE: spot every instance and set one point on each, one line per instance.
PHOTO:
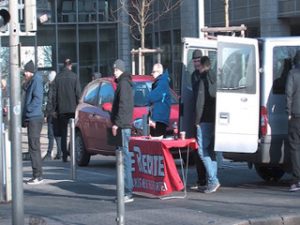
(251, 121)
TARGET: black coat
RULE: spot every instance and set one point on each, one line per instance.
(122, 108)
(293, 93)
(67, 92)
(205, 104)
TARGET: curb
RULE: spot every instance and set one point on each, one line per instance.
(289, 219)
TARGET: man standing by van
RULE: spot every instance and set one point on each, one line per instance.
(205, 123)
(293, 110)
(195, 79)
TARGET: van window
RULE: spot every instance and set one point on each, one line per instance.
(282, 64)
(237, 72)
(211, 54)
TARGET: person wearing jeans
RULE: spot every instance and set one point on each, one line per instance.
(121, 118)
(126, 133)
(205, 139)
(205, 110)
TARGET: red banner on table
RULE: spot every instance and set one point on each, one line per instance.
(154, 169)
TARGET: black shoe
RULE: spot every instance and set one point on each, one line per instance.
(47, 157)
(65, 158)
(57, 157)
(35, 180)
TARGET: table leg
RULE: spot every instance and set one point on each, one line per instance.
(184, 174)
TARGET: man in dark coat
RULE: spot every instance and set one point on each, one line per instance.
(293, 110)
(33, 118)
(121, 118)
(52, 122)
(67, 93)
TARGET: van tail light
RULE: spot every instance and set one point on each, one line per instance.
(263, 121)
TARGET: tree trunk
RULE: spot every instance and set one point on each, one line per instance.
(142, 37)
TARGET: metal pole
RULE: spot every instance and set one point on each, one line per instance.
(140, 61)
(2, 158)
(15, 110)
(73, 155)
(201, 17)
(145, 125)
(120, 188)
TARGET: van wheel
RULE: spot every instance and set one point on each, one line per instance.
(82, 157)
(269, 173)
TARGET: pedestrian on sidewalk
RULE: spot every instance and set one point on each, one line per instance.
(33, 118)
(52, 121)
(67, 93)
(293, 110)
(121, 117)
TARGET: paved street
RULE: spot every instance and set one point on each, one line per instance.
(242, 199)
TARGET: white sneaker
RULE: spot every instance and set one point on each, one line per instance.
(35, 180)
(128, 199)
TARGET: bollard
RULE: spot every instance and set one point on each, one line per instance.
(72, 149)
(120, 188)
(8, 188)
(2, 169)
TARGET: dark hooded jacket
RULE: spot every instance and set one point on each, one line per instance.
(122, 108)
(293, 92)
(205, 104)
(33, 101)
(159, 99)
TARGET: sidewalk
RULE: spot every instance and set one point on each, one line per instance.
(243, 199)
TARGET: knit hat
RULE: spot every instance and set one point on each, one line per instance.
(119, 64)
(197, 54)
(29, 67)
(51, 76)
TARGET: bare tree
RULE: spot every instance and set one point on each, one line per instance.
(143, 13)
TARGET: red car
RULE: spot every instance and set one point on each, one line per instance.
(92, 119)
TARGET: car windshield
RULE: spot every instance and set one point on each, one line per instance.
(141, 91)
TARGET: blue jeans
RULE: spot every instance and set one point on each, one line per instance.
(205, 139)
(126, 133)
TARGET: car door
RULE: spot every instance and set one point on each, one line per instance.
(102, 121)
(237, 98)
(208, 48)
(88, 113)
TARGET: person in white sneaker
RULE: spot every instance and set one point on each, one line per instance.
(33, 118)
(121, 116)
(293, 109)
(205, 123)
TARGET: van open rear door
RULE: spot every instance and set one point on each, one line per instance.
(237, 99)
(208, 48)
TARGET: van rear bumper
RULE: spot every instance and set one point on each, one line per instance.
(270, 150)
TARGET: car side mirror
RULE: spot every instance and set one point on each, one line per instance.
(107, 106)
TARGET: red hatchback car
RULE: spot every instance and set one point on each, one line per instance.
(92, 120)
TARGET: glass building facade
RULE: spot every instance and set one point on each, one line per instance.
(92, 36)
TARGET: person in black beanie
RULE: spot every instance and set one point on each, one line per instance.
(121, 117)
(33, 118)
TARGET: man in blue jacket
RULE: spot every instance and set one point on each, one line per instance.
(159, 100)
(33, 118)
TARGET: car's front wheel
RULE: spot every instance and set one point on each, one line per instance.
(82, 156)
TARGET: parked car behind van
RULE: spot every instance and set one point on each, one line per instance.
(92, 118)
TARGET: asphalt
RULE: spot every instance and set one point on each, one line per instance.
(89, 199)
